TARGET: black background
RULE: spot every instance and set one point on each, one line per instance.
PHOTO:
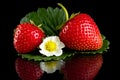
(11, 13)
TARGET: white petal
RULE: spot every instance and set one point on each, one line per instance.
(41, 46)
(62, 45)
(57, 39)
(58, 53)
(46, 53)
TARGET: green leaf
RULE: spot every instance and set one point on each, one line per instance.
(31, 16)
(67, 53)
(50, 19)
(44, 58)
(42, 15)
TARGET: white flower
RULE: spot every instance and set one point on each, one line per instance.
(52, 66)
(51, 46)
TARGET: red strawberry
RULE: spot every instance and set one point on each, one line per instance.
(27, 70)
(81, 33)
(27, 37)
(83, 67)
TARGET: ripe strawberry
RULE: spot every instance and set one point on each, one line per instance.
(27, 37)
(83, 67)
(27, 70)
(81, 33)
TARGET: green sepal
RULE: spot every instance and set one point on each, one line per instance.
(74, 14)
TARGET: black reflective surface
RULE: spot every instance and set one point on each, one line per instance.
(12, 12)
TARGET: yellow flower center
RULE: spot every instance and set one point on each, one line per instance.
(50, 46)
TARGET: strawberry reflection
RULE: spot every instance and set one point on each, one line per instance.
(31, 70)
(78, 68)
(84, 67)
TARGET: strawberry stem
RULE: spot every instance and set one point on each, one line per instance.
(65, 10)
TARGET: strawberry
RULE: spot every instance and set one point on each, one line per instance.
(81, 33)
(28, 70)
(83, 67)
(27, 37)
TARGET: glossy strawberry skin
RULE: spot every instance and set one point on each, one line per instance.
(83, 67)
(27, 37)
(81, 33)
(28, 70)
